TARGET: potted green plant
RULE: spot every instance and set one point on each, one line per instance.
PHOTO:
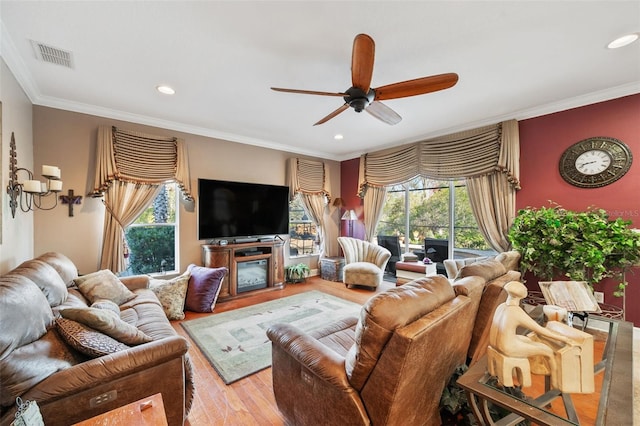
(297, 273)
(583, 246)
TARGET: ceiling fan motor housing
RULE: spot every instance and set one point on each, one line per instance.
(358, 99)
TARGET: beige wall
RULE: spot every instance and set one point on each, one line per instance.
(16, 243)
(68, 140)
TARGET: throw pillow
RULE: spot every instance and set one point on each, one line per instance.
(171, 294)
(108, 323)
(204, 287)
(87, 341)
(487, 269)
(103, 285)
(106, 304)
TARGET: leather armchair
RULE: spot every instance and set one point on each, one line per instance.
(364, 262)
(388, 367)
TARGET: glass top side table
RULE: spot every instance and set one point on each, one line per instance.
(615, 390)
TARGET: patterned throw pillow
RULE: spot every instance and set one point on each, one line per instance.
(107, 322)
(171, 294)
(87, 341)
(103, 285)
(204, 287)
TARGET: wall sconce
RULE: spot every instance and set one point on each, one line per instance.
(350, 215)
(29, 193)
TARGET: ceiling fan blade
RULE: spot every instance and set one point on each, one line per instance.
(308, 92)
(333, 114)
(419, 86)
(383, 113)
(362, 62)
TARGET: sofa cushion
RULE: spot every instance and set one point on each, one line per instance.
(103, 285)
(487, 269)
(28, 365)
(108, 323)
(25, 314)
(87, 340)
(171, 294)
(204, 287)
(63, 265)
(510, 260)
(46, 278)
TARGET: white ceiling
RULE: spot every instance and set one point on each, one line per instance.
(515, 59)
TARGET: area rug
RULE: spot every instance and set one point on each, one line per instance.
(236, 343)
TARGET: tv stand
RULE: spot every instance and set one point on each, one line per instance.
(254, 267)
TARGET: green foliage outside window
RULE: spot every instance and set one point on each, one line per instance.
(151, 238)
(429, 214)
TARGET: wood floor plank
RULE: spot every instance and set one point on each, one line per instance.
(250, 401)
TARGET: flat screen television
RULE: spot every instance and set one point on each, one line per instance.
(238, 209)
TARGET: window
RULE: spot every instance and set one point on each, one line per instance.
(437, 209)
(152, 238)
(303, 234)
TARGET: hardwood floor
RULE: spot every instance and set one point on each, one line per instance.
(249, 401)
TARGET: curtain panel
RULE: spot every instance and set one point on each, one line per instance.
(309, 178)
(487, 157)
(138, 158)
(131, 167)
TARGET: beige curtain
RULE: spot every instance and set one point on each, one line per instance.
(373, 204)
(124, 202)
(493, 196)
(489, 156)
(309, 179)
(136, 157)
(130, 169)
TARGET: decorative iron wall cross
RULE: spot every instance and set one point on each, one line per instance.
(71, 199)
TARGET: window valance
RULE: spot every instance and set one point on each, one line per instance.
(307, 177)
(467, 154)
(139, 158)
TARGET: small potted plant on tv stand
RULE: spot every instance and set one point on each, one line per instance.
(297, 273)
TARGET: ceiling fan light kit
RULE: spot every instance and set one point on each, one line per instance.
(362, 97)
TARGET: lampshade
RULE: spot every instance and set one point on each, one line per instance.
(349, 215)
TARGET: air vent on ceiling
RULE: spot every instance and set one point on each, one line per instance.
(53, 55)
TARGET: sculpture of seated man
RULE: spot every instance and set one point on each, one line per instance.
(504, 339)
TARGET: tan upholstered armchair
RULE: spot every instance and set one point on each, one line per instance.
(364, 262)
(388, 367)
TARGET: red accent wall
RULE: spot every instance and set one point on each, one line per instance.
(542, 141)
(349, 174)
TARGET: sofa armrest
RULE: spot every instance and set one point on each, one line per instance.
(309, 352)
(135, 282)
(108, 368)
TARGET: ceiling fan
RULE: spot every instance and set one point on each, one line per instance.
(361, 96)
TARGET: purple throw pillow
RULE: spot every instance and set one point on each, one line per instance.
(204, 287)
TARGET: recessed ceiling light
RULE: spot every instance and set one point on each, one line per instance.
(338, 137)
(623, 41)
(165, 89)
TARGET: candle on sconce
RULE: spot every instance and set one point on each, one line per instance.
(51, 171)
(55, 185)
(32, 186)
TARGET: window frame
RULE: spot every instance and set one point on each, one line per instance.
(175, 225)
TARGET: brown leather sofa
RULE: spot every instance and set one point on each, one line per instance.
(389, 367)
(37, 364)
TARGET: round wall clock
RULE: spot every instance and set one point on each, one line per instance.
(595, 162)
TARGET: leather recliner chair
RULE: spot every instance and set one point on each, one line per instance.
(387, 368)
